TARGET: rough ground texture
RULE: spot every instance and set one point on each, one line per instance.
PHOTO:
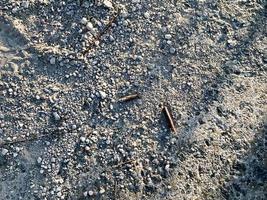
(64, 65)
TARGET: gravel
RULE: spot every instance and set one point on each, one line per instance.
(65, 65)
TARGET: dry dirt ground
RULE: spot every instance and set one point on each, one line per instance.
(65, 132)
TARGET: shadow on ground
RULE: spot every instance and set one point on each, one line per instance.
(250, 177)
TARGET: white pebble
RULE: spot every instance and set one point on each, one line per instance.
(102, 191)
(168, 36)
(84, 21)
(82, 139)
(89, 26)
(102, 94)
(108, 4)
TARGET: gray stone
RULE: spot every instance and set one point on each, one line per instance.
(4, 151)
(53, 61)
(172, 50)
(56, 116)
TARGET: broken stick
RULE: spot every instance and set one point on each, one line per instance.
(169, 118)
(129, 97)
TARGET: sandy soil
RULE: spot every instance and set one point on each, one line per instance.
(67, 133)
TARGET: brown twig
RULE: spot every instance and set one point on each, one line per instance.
(169, 118)
(106, 29)
(129, 97)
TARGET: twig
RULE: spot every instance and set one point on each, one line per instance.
(129, 97)
(23, 140)
(169, 118)
(106, 29)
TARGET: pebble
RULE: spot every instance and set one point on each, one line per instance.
(90, 193)
(168, 36)
(39, 160)
(108, 4)
(102, 191)
(172, 50)
(84, 21)
(53, 61)
(82, 139)
(146, 15)
(102, 94)
(167, 167)
(73, 127)
(89, 26)
(56, 116)
(59, 194)
(4, 151)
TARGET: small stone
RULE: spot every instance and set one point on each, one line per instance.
(102, 94)
(56, 116)
(108, 142)
(168, 36)
(39, 160)
(172, 50)
(82, 139)
(89, 26)
(90, 193)
(111, 38)
(167, 167)
(53, 61)
(4, 151)
(59, 194)
(108, 4)
(102, 191)
(146, 15)
(84, 21)
(85, 194)
(73, 127)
